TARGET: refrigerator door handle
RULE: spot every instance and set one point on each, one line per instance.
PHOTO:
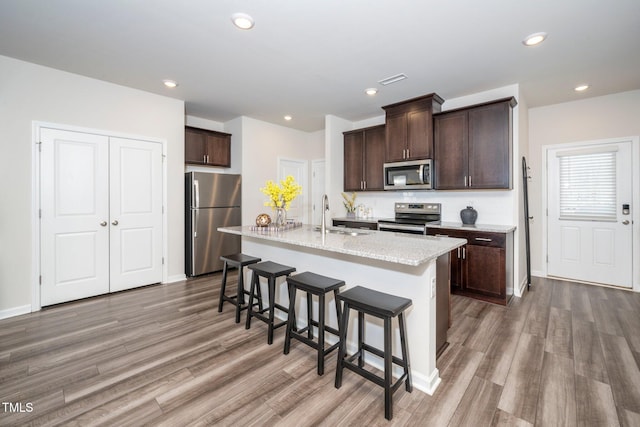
(195, 194)
(194, 221)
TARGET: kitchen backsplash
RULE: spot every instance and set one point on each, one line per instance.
(494, 207)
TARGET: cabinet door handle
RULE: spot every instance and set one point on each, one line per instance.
(465, 180)
(204, 158)
(469, 180)
(464, 253)
(458, 252)
(365, 185)
(484, 239)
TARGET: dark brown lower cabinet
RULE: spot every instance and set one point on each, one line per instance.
(483, 268)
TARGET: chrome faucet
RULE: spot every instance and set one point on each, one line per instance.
(325, 208)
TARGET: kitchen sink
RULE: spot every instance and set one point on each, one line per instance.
(346, 232)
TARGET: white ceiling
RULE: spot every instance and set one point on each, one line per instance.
(309, 58)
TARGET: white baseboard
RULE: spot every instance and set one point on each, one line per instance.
(522, 287)
(15, 311)
(176, 278)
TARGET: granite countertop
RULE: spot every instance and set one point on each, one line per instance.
(396, 248)
(476, 227)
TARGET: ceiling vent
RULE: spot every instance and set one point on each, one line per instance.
(392, 79)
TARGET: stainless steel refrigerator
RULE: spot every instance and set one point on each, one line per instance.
(212, 201)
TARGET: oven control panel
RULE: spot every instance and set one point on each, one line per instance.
(417, 208)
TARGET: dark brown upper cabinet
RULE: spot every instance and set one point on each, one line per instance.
(409, 131)
(473, 147)
(364, 159)
(207, 147)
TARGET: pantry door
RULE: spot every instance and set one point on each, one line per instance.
(74, 241)
(135, 213)
(590, 232)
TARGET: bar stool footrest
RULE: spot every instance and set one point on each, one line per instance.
(330, 329)
(348, 363)
(396, 360)
(312, 343)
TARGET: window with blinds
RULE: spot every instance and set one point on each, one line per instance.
(588, 185)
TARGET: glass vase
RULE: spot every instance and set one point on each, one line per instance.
(281, 217)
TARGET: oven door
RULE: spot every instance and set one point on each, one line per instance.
(402, 228)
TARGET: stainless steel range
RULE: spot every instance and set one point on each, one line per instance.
(411, 218)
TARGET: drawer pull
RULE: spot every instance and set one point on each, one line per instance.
(442, 235)
(483, 239)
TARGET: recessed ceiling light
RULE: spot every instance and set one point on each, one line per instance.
(371, 91)
(170, 83)
(288, 117)
(242, 21)
(534, 39)
(581, 88)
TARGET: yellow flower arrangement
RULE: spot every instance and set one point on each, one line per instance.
(281, 196)
(349, 202)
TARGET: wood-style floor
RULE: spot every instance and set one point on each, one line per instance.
(564, 355)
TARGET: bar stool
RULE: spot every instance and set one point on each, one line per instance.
(238, 261)
(312, 284)
(271, 271)
(385, 307)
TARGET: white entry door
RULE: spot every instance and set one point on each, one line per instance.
(590, 225)
(135, 213)
(101, 220)
(74, 243)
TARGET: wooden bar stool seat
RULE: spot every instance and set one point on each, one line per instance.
(271, 271)
(313, 284)
(384, 306)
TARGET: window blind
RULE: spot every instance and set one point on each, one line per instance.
(588, 185)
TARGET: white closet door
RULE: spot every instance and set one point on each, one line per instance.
(75, 213)
(135, 213)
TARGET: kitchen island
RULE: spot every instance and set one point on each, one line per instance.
(395, 263)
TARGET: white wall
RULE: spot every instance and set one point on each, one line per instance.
(603, 117)
(262, 144)
(29, 93)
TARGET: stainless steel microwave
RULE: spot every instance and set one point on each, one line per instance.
(411, 175)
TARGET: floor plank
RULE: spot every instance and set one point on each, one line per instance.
(520, 393)
(478, 404)
(624, 375)
(557, 395)
(595, 405)
(559, 339)
(587, 351)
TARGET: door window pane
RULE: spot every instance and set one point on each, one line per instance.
(588, 185)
